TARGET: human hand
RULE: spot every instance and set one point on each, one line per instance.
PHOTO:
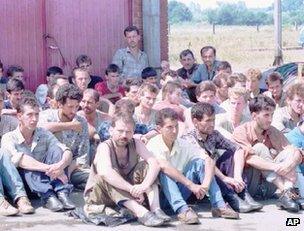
(63, 178)
(140, 199)
(54, 171)
(282, 169)
(137, 189)
(198, 190)
(237, 183)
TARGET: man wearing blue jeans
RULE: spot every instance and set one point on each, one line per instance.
(186, 170)
(11, 181)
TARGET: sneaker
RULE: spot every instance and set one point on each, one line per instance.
(161, 214)
(150, 220)
(6, 209)
(225, 212)
(24, 206)
(188, 217)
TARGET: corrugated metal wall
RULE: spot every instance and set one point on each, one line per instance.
(73, 27)
(21, 29)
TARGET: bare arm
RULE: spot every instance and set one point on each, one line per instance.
(173, 173)
(153, 169)
(62, 126)
(239, 162)
(29, 163)
(259, 163)
(12, 112)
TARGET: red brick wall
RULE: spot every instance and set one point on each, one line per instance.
(137, 20)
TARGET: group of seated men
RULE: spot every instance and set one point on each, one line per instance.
(148, 144)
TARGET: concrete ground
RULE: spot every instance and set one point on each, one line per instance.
(270, 218)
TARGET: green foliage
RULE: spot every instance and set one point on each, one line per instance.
(237, 14)
(178, 12)
(293, 11)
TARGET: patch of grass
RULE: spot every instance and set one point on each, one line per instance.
(235, 44)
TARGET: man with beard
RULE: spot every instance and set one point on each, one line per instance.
(119, 177)
(131, 60)
(70, 129)
(269, 151)
(209, 66)
(94, 117)
(41, 158)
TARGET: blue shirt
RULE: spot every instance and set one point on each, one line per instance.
(296, 137)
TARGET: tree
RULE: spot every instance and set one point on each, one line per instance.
(178, 12)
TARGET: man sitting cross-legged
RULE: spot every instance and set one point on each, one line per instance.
(269, 152)
(186, 170)
(229, 165)
(70, 129)
(119, 177)
(42, 159)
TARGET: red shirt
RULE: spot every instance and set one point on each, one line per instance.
(103, 90)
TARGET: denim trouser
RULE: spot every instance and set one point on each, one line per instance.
(177, 193)
(10, 178)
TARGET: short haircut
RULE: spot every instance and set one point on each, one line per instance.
(170, 87)
(238, 92)
(295, 89)
(132, 82)
(14, 84)
(148, 87)
(205, 86)
(26, 101)
(83, 59)
(130, 29)
(200, 109)
(92, 92)
(219, 78)
(68, 91)
(80, 69)
(56, 77)
(163, 114)
(253, 73)
(124, 106)
(206, 48)
(12, 69)
(224, 65)
(238, 77)
(54, 70)
(185, 53)
(273, 77)
(148, 72)
(112, 68)
(28, 94)
(261, 103)
(125, 117)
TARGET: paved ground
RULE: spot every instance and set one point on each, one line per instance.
(270, 218)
